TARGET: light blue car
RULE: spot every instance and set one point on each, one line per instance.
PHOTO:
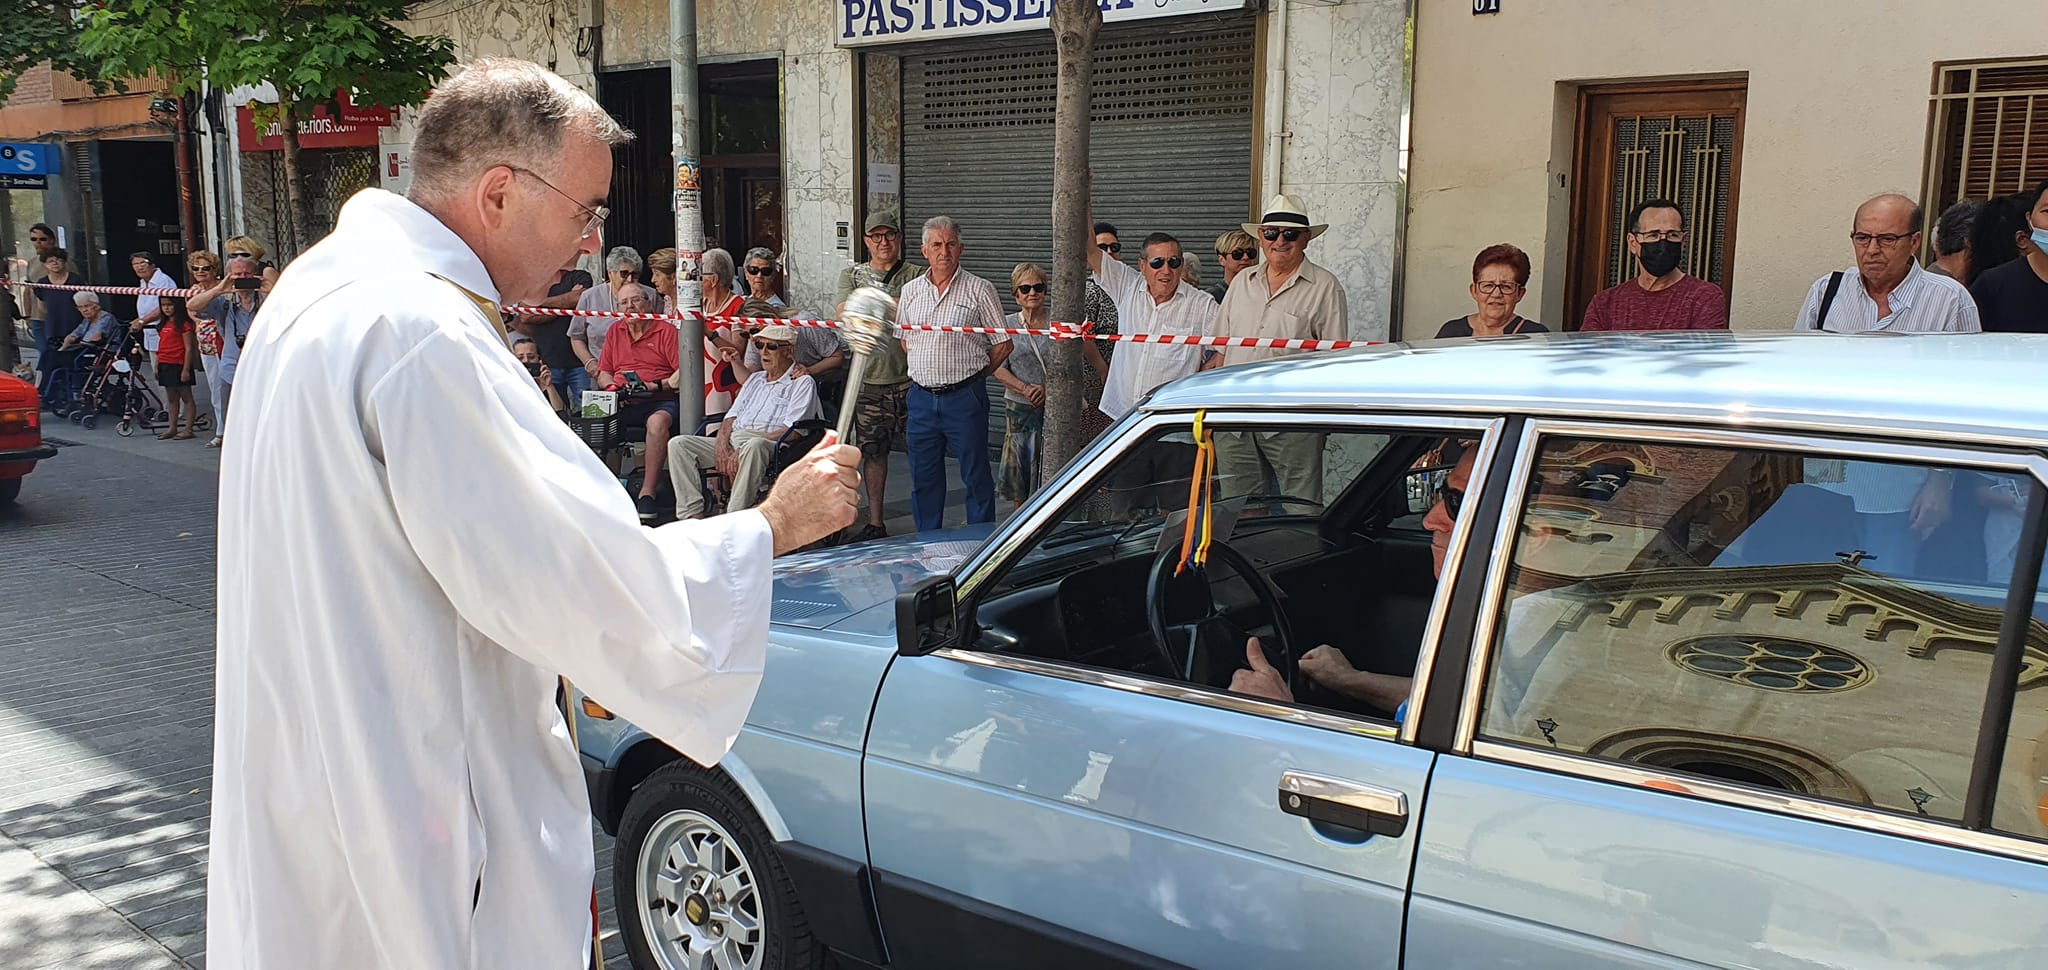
(1602, 651)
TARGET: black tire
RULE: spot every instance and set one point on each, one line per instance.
(683, 787)
(10, 489)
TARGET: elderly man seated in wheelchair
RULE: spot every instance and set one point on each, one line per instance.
(639, 362)
(770, 405)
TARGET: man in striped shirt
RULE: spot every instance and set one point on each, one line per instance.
(1887, 289)
(948, 396)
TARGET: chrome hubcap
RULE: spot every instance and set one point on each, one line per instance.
(699, 906)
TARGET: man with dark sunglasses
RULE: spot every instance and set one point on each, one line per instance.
(1151, 299)
(1287, 298)
(1106, 241)
(1327, 665)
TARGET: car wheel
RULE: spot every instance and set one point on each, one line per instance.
(698, 883)
(10, 489)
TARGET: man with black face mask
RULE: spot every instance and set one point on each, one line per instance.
(1662, 296)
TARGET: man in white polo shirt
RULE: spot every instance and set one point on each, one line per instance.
(1151, 299)
(771, 402)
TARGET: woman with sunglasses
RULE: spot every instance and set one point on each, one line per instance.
(1236, 251)
(238, 247)
(764, 277)
(623, 267)
(204, 270)
(1023, 377)
(1500, 278)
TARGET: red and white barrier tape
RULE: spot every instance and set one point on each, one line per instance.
(1058, 331)
(109, 290)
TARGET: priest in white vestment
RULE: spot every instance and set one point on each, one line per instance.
(413, 546)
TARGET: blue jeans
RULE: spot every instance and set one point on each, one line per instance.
(954, 424)
(570, 384)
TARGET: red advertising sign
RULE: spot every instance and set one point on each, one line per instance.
(356, 128)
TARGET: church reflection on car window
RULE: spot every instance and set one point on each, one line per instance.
(1801, 622)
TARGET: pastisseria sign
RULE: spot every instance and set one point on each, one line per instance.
(900, 21)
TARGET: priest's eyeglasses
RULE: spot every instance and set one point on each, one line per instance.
(597, 214)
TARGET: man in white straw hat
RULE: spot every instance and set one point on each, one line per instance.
(771, 402)
(1287, 297)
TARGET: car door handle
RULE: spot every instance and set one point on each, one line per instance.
(1368, 808)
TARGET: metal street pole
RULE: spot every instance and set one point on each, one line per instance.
(689, 203)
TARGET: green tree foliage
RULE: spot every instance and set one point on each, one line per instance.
(307, 50)
(31, 32)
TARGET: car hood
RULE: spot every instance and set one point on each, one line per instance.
(832, 588)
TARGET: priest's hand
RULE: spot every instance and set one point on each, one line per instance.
(816, 497)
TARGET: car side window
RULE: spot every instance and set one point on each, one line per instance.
(1300, 519)
(2021, 805)
(1809, 623)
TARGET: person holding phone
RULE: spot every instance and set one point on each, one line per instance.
(233, 304)
(528, 353)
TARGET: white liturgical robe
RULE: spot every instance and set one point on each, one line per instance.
(411, 547)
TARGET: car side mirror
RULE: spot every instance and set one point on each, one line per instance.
(927, 617)
(1420, 490)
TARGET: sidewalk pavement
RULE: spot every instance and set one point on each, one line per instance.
(48, 922)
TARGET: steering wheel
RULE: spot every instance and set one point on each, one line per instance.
(1212, 636)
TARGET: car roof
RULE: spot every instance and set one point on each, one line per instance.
(1912, 385)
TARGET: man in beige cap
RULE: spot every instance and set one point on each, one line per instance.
(770, 403)
(1286, 297)
(881, 416)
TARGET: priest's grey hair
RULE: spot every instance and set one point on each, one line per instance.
(500, 111)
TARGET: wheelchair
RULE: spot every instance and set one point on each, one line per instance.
(793, 445)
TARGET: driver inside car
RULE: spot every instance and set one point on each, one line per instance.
(1326, 665)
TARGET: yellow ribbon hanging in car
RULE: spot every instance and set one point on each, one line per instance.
(1194, 543)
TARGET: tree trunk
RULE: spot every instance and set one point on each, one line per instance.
(188, 180)
(1075, 24)
(296, 217)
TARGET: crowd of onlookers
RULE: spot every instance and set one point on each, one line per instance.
(928, 394)
(178, 340)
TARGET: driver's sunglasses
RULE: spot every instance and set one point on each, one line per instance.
(1275, 235)
(1158, 262)
(1453, 499)
(1241, 255)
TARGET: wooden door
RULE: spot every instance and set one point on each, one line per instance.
(1676, 141)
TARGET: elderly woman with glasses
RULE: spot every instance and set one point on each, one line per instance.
(239, 247)
(764, 277)
(205, 272)
(1023, 376)
(1500, 278)
(622, 268)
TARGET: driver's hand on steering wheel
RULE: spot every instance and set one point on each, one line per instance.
(1327, 665)
(1261, 680)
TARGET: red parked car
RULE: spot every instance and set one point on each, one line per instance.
(21, 434)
